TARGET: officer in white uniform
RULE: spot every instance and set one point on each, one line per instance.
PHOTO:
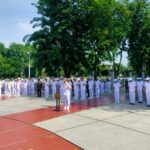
(131, 85)
(147, 90)
(83, 88)
(9, 88)
(108, 86)
(91, 86)
(18, 87)
(117, 86)
(1, 87)
(140, 89)
(97, 87)
(46, 87)
(67, 94)
(53, 88)
(76, 89)
(25, 87)
(102, 86)
(61, 83)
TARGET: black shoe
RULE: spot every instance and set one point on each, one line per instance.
(148, 105)
(132, 103)
(140, 102)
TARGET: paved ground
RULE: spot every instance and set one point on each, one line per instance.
(94, 125)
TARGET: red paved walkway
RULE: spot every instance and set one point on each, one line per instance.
(18, 133)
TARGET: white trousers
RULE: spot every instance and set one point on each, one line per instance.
(148, 98)
(97, 92)
(67, 100)
(117, 97)
(132, 96)
(140, 96)
(108, 89)
(102, 90)
(91, 93)
(83, 94)
(0, 91)
(53, 92)
(18, 91)
(62, 93)
(46, 92)
(25, 91)
(76, 94)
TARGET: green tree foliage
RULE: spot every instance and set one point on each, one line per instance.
(13, 60)
(139, 45)
(75, 36)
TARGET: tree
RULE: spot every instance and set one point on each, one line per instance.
(13, 60)
(139, 47)
(77, 35)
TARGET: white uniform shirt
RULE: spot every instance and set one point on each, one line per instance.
(91, 84)
(147, 86)
(117, 86)
(47, 84)
(108, 83)
(61, 82)
(97, 84)
(132, 86)
(139, 85)
(53, 85)
(75, 85)
(83, 84)
(67, 88)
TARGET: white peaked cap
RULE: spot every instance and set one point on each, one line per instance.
(148, 78)
(130, 79)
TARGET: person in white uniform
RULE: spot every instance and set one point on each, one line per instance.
(102, 86)
(9, 88)
(25, 88)
(83, 88)
(132, 86)
(32, 84)
(67, 94)
(108, 86)
(91, 86)
(61, 83)
(140, 90)
(1, 83)
(147, 90)
(117, 86)
(76, 89)
(97, 87)
(53, 88)
(18, 87)
(46, 87)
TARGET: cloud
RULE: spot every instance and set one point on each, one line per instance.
(25, 27)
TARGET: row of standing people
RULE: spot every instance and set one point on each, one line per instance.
(80, 88)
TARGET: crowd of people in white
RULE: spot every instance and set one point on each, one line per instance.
(78, 88)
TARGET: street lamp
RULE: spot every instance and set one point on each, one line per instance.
(28, 53)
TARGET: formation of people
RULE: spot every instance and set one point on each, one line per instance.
(77, 88)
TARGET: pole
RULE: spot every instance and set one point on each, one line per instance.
(29, 69)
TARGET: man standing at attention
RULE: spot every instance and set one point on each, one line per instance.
(117, 86)
(132, 86)
(140, 90)
(67, 94)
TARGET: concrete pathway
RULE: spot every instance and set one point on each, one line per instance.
(111, 127)
(90, 125)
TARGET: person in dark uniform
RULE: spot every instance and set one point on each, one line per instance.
(39, 88)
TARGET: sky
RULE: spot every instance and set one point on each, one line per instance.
(15, 17)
